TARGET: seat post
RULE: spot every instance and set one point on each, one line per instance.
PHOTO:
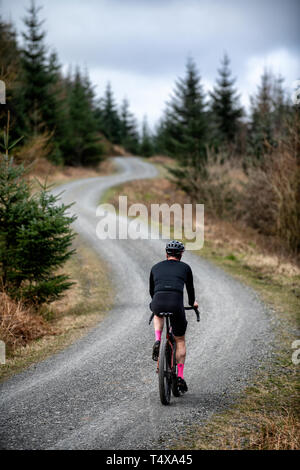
(167, 322)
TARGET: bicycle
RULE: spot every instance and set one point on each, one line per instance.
(166, 364)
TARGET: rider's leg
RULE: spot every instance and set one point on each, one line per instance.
(180, 354)
(180, 349)
(158, 327)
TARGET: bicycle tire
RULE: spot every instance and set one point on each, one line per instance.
(164, 373)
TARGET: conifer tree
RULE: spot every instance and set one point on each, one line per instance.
(225, 108)
(35, 237)
(10, 74)
(40, 104)
(82, 146)
(186, 119)
(129, 137)
(109, 118)
(187, 130)
(146, 147)
(261, 128)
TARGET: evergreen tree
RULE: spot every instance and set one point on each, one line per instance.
(82, 145)
(186, 120)
(261, 136)
(40, 105)
(282, 108)
(146, 147)
(225, 108)
(10, 74)
(109, 118)
(35, 237)
(187, 130)
(161, 139)
(129, 137)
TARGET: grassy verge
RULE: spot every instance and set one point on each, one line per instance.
(266, 415)
(84, 305)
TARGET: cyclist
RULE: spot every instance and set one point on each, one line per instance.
(167, 280)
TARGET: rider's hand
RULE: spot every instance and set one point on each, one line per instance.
(196, 304)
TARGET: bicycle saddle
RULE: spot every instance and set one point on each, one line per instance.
(165, 314)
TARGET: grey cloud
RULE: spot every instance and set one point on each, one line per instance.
(152, 38)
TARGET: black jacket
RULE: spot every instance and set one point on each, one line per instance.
(171, 275)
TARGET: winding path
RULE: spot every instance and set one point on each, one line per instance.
(101, 392)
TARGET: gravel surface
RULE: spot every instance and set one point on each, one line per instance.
(102, 391)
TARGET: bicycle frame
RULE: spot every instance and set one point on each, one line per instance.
(166, 364)
(172, 343)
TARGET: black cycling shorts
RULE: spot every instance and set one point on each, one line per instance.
(171, 302)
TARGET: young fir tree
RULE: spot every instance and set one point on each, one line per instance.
(82, 146)
(109, 119)
(35, 237)
(129, 137)
(225, 109)
(261, 138)
(146, 147)
(10, 74)
(187, 130)
(40, 105)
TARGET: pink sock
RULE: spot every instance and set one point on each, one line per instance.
(157, 335)
(180, 368)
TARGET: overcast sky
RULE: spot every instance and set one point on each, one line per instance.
(141, 46)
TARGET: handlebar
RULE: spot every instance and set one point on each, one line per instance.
(195, 310)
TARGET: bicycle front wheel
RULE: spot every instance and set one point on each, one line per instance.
(165, 373)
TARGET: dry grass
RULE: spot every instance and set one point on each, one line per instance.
(19, 325)
(256, 430)
(37, 145)
(83, 306)
(280, 433)
(42, 170)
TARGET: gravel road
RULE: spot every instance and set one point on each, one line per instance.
(102, 391)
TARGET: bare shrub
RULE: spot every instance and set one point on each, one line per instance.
(37, 147)
(214, 186)
(18, 325)
(271, 202)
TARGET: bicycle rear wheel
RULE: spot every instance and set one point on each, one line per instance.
(165, 373)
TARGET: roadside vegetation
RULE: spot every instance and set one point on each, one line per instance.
(46, 293)
(32, 336)
(266, 415)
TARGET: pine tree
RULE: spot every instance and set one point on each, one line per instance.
(225, 108)
(261, 138)
(146, 147)
(186, 119)
(10, 74)
(187, 130)
(35, 237)
(82, 145)
(40, 104)
(129, 137)
(109, 119)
